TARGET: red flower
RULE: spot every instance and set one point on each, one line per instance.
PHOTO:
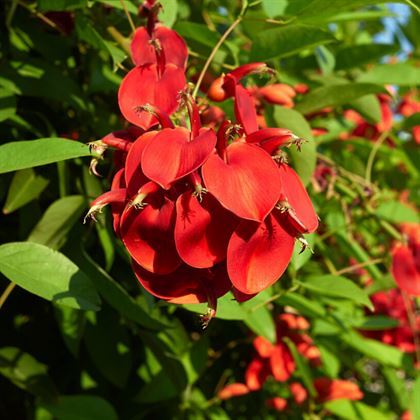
(334, 389)
(278, 403)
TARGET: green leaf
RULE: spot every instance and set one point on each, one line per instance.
(302, 367)
(368, 107)
(302, 304)
(336, 286)
(396, 212)
(71, 323)
(169, 11)
(26, 372)
(26, 154)
(359, 55)
(415, 401)
(288, 40)
(197, 32)
(59, 5)
(353, 410)
(299, 258)
(274, 8)
(402, 74)
(397, 387)
(57, 221)
(334, 95)
(107, 342)
(81, 407)
(114, 294)
(324, 8)
(48, 274)
(325, 59)
(26, 186)
(7, 104)
(387, 355)
(305, 160)
(378, 322)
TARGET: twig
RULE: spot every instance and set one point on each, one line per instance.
(130, 21)
(354, 267)
(372, 155)
(6, 293)
(217, 46)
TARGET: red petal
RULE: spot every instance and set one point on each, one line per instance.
(404, 270)
(258, 254)
(302, 215)
(300, 394)
(247, 184)
(148, 235)
(333, 389)
(263, 347)
(277, 403)
(117, 208)
(270, 139)
(173, 155)
(134, 176)
(202, 230)
(282, 363)
(245, 111)
(186, 284)
(173, 46)
(233, 390)
(256, 374)
(143, 85)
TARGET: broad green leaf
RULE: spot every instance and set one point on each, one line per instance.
(57, 221)
(169, 11)
(334, 95)
(337, 286)
(364, 15)
(160, 388)
(26, 372)
(359, 55)
(81, 407)
(274, 8)
(29, 153)
(131, 7)
(304, 161)
(368, 107)
(30, 78)
(325, 59)
(330, 361)
(378, 322)
(354, 410)
(7, 104)
(71, 323)
(288, 40)
(108, 344)
(403, 74)
(383, 353)
(397, 387)
(26, 186)
(197, 32)
(396, 212)
(48, 274)
(302, 367)
(299, 258)
(415, 400)
(59, 5)
(324, 8)
(114, 294)
(305, 306)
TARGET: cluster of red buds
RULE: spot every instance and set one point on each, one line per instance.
(200, 211)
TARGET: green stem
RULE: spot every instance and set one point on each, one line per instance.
(372, 155)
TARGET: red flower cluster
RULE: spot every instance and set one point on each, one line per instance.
(199, 212)
(406, 260)
(391, 303)
(410, 105)
(277, 361)
(365, 129)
